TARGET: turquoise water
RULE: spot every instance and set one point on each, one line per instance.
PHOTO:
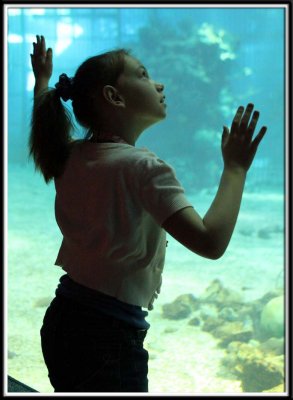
(225, 63)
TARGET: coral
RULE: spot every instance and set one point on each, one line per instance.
(200, 58)
(256, 370)
(244, 329)
(259, 374)
(209, 36)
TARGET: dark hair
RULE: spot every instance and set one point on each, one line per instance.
(51, 124)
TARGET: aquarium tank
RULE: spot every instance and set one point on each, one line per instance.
(218, 326)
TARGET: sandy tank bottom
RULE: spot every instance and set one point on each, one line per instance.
(183, 358)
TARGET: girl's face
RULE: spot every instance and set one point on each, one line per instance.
(143, 97)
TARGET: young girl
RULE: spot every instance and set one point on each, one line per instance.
(114, 204)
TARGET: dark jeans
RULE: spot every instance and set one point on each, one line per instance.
(86, 351)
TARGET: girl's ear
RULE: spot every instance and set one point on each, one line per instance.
(112, 96)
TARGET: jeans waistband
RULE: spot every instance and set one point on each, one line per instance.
(129, 330)
(115, 323)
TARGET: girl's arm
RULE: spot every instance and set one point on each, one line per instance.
(41, 60)
(210, 236)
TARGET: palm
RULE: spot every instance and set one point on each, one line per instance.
(238, 147)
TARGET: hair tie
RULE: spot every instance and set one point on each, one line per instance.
(64, 87)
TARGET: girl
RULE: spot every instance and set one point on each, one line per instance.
(114, 204)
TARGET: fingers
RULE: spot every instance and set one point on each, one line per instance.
(236, 120)
(39, 47)
(41, 59)
(43, 46)
(245, 119)
(36, 46)
(251, 127)
(49, 56)
(240, 124)
(225, 135)
(259, 137)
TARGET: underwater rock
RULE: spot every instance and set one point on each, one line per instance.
(170, 330)
(254, 310)
(233, 331)
(278, 228)
(256, 307)
(239, 326)
(246, 231)
(264, 233)
(11, 354)
(190, 300)
(274, 346)
(181, 307)
(210, 324)
(272, 317)
(208, 311)
(194, 321)
(228, 314)
(218, 294)
(227, 328)
(242, 336)
(176, 311)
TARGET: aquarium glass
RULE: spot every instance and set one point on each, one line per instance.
(218, 325)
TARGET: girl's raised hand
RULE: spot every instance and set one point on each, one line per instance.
(238, 148)
(41, 60)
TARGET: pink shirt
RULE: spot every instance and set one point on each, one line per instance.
(110, 204)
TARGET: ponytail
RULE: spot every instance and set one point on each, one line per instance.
(50, 139)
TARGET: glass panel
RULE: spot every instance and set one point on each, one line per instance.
(218, 325)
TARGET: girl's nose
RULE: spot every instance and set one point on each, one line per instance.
(160, 87)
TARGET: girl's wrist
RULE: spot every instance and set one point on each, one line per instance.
(40, 85)
(42, 81)
(238, 170)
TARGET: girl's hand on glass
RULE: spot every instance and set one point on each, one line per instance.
(41, 60)
(238, 148)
